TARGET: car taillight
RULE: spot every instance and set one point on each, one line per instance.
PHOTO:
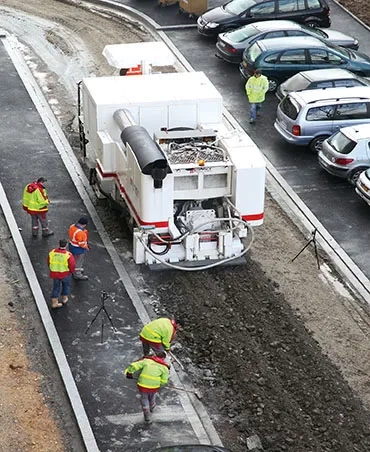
(343, 162)
(296, 131)
(230, 49)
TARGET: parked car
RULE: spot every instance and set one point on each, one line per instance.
(231, 15)
(191, 448)
(307, 118)
(320, 78)
(231, 44)
(363, 186)
(280, 58)
(346, 153)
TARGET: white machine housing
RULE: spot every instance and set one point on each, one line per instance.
(192, 183)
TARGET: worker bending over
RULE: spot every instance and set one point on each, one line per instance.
(159, 334)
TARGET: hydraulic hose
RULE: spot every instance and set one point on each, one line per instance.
(207, 266)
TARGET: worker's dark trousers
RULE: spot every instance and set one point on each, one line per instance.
(147, 347)
(38, 219)
(147, 400)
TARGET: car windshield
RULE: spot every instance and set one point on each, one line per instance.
(241, 34)
(253, 52)
(236, 7)
(296, 83)
(341, 50)
(320, 33)
(289, 108)
(341, 143)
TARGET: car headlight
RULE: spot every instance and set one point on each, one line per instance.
(212, 25)
(355, 42)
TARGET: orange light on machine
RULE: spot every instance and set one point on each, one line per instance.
(201, 162)
(135, 70)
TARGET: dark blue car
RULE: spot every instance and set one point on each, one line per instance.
(280, 58)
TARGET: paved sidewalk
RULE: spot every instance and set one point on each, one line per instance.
(30, 150)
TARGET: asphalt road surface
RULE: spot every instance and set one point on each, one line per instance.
(333, 201)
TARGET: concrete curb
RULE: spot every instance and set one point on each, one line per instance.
(42, 306)
(197, 415)
(351, 14)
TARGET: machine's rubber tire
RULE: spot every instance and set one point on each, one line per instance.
(316, 143)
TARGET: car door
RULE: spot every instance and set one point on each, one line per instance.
(319, 121)
(262, 11)
(291, 62)
(290, 9)
(350, 114)
(323, 59)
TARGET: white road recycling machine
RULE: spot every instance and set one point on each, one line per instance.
(192, 185)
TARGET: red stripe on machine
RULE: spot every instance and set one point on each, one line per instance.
(157, 224)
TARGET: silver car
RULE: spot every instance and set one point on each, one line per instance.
(346, 154)
(307, 118)
(363, 186)
(320, 78)
(231, 44)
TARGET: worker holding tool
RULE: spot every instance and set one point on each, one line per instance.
(159, 334)
(154, 374)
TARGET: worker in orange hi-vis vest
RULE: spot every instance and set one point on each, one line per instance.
(78, 246)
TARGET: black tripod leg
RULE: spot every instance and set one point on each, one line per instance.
(316, 254)
(93, 320)
(307, 244)
(102, 330)
(110, 319)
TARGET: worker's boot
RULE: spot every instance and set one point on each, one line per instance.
(81, 277)
(152, 407)
(64, 299)
(35, 232)
(47, 232)
(147, 417)
(55, 303)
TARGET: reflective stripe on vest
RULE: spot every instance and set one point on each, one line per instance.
(37, 201)
(58, 262)
(73, 237)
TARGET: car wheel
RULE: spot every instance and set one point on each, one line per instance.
(311, 24)
(273, 83)
(353, 177)
(316, 143)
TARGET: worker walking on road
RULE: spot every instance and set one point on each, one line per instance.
(154, 373)
(61, 264)
(158, 335)
(78, 246)
(35, 202)
(256, 88)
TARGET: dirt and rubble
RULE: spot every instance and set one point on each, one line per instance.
(277, 347)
